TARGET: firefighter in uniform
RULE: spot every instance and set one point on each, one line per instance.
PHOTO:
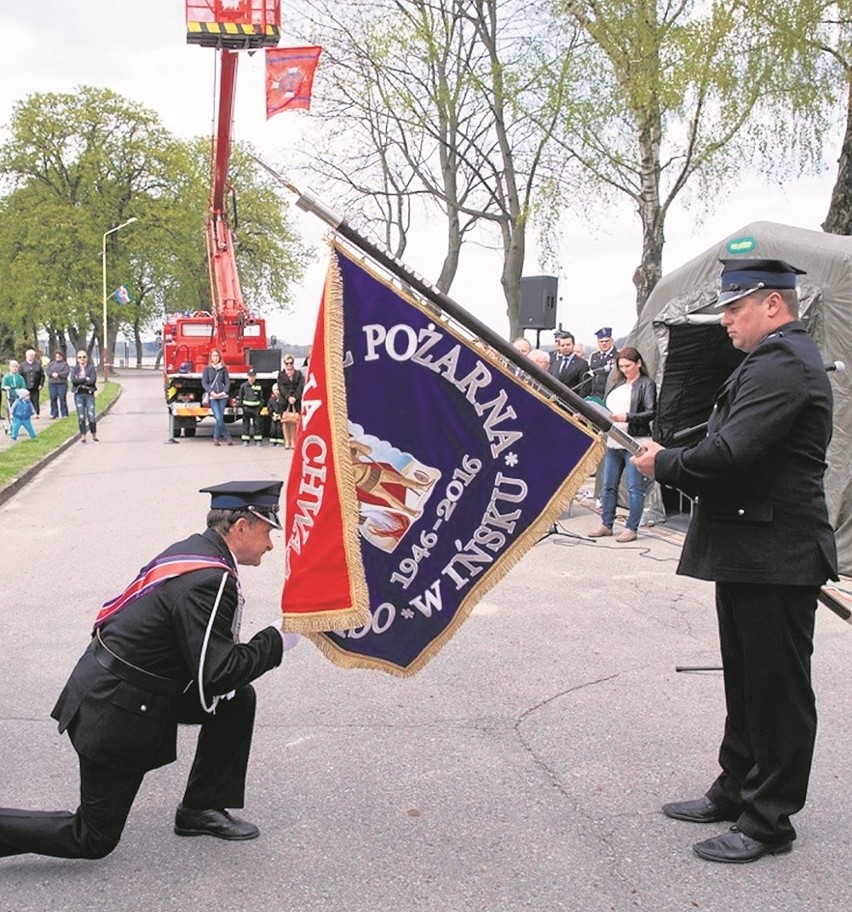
(602, 362)
(250, 400)
(166, 651)
(760, 530)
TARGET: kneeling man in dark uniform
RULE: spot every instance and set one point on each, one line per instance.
(165, 652)
(761, 531)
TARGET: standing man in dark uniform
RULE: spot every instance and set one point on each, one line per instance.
(761, 531)
(602, 362)
(166, 651)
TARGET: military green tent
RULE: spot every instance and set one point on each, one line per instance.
(689, 354)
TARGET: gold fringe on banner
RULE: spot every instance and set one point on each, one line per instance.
(358, 612)
(507, 560)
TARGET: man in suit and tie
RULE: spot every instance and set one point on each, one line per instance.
(760, 530)
(568, 367)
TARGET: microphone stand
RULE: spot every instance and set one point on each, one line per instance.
(556, 530)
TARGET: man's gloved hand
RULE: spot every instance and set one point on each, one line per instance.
(289, 640)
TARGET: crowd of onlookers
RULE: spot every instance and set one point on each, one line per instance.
(283, 407)
(618, 382)
(22, 387)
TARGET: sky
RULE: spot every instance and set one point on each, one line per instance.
(138, 50)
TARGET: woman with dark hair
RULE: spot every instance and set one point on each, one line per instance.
(57, 385)
(632, 402)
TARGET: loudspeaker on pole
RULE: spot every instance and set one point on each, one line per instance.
(538, 302)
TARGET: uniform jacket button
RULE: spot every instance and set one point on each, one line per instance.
(740, 512)
(144, 708)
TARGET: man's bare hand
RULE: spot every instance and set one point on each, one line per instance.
(644, 459)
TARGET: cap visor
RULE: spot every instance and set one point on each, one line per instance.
(271, 518)
(728, 297)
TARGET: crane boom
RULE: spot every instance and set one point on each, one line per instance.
(225, 290)
(222, 142)
(229, 326)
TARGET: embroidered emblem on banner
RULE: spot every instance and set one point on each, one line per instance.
(424, 468)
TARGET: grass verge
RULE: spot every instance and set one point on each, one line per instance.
(20, 456)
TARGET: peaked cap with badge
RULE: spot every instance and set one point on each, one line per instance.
(742, 277)
(258, 497)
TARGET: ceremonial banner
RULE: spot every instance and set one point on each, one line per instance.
(290, 78)
(324, 585)
(423, 471)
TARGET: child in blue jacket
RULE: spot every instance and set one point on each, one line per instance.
(21, 414)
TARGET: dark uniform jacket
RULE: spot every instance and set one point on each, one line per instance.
(574, 374)
(126, 726)
(601, 364)
(761, 515)
(250, 396)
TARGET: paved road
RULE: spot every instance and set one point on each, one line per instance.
(521, 771)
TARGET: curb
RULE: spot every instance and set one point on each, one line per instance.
(27, 475)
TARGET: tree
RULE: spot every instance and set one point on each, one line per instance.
(668, 94)
(444, 102)
(834, 38)
(79, 165)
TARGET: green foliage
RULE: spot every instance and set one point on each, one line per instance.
(720, 84)
(78, 165)
(694, 94)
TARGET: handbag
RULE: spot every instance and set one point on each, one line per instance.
(290, 416)
(205, 398)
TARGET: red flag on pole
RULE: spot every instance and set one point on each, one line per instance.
(324, 581)
(290, 78)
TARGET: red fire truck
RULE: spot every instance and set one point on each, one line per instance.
(230, 26)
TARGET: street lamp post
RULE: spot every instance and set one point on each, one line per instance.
(104, 352)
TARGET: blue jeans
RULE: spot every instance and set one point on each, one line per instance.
(617, 461)
(85, 405)
(220, 430)
(58, 401)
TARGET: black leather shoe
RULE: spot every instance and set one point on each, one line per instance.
(214, 822)
(734, 847)
(702, 810)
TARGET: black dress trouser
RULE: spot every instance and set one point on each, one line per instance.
(766, 638)
(216, 780)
